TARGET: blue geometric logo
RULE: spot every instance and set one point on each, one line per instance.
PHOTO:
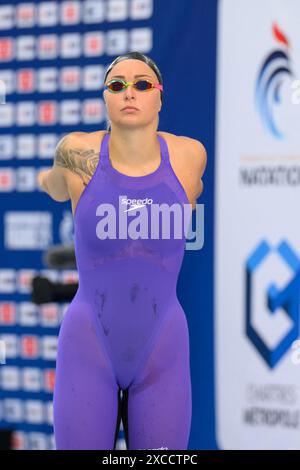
(286, 299)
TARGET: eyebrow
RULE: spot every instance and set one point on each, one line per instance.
(136, 76)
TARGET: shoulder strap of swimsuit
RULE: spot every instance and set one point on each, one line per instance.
(104, 150)
(164, 149)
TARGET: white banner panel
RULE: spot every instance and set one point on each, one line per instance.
(257, 227)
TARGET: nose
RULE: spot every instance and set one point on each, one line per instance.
(129, 92)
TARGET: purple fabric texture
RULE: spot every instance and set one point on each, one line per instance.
(125, 329)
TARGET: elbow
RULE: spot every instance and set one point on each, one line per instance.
(53, 185)
(60, 198)
(41, 179)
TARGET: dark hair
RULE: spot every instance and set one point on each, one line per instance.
(138, 56)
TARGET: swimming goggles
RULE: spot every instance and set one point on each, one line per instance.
(117, 85)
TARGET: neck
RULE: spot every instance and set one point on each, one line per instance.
(134, 147)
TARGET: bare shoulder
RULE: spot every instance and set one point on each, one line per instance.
(174, 142)
(182, 140)
(77, 155)
(188, 158)
(192, 151)
(170, 138)
(81, 138)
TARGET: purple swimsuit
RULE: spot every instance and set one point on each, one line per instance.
(125, 332)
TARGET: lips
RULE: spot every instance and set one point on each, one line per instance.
(129, 107)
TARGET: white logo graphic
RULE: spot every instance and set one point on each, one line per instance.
(136, 203)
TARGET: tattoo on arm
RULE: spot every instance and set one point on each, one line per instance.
(82, 162)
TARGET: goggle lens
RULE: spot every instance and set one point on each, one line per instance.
(116, 86)
(143, 85)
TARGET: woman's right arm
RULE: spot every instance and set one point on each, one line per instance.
(54, 180)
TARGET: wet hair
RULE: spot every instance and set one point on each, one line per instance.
(138, 56)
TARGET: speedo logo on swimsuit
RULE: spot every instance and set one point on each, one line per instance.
(135, 203)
